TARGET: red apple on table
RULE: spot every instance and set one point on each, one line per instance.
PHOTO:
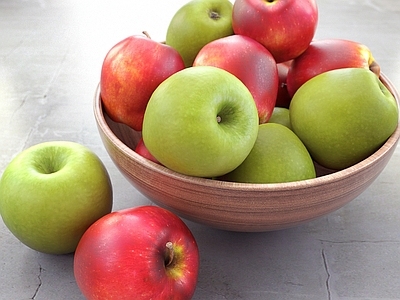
(249, 61)
(131, 71)
(283, 98)
(144, 252)
(325, 55)
(143, 151)
(284, 27)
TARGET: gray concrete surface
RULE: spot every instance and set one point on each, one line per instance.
(50, 58)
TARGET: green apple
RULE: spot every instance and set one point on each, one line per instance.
(278, 156)
(201, 121)
(197, 23)
(281, 116)
(343, 116)
(51, 193)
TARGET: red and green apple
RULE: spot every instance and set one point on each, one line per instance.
(202, 121)
(131, 71)
(197, 23)
(145, 252)
(249, 61)
(143, 151)
(325, 55)
(284, 27)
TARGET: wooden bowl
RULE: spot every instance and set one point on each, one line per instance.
(240, 206)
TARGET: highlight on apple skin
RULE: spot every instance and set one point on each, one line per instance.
(144, 252)
(325, 55)
(284, 27)
(131, 71)
(249, 61)
(196, 117)
(343, 116)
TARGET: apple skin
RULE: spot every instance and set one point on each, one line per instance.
(197, 23)
(283, 98)
(131, 71)
(249, 61)
(51, 193)
(128, 254)
(343, 116)
(325, 55)
(277, 156)
(196, 117)
(281, 115)
(284, 27)
(143, 151)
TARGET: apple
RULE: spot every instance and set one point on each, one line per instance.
(197, 23)
(325, 55)
(284, 27)
(251, 62)
(202, 121)
(142, 150)
(281, 115)
(283, 98)
(277, 156)
(131, 71)
(51, 193)
(343, 116)
(144, 252)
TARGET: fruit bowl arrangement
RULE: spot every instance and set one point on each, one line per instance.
(245, 127)
(234, 206)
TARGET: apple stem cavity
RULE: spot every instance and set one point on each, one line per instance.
(50, 169)
(214, 15)
(169, 254)
(53, 163)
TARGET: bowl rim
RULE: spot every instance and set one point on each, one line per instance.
(239, 186)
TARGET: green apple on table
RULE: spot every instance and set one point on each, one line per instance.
(197, 23)
(278, 156)
(201, 121)
(51, 193)
(343, 116)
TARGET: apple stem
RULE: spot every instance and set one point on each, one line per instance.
(219, 119)
(375, 68)
(169, 254)
(146, 34)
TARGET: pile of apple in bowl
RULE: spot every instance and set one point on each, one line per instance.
(239, 130)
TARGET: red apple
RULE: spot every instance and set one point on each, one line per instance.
(143, 151)
(249, 61)
(145, 252)
(283, 99)
(284, 27)
(325, 55)
(131, 71)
